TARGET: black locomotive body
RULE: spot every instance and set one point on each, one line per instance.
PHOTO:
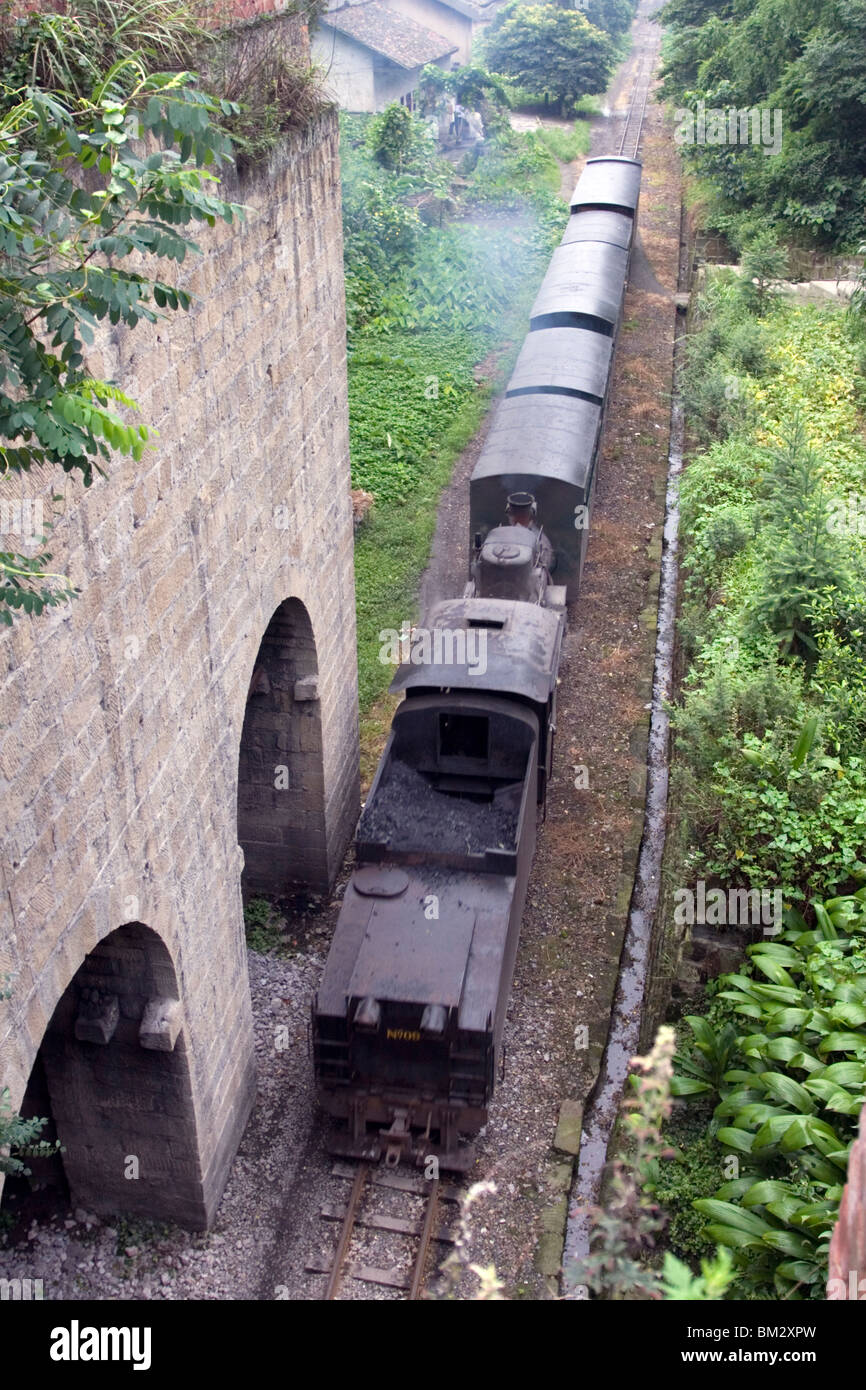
(408, 1020)
(407, 1025)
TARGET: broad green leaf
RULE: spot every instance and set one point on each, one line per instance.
(784, 1049)
(790, 1092)
(732, 1215)
(785, 1208)
(772, 969)
(843, 1042)
(773, 1130)
(704, 1035)
(845, 1073)
(768, 1190)
(787, 1020)
(738, 1139)
(689, 1086)
(803, 746)
(828, 1092)
(755, 1113)
(734, 1190)
(732, 1237)
(788, 1243)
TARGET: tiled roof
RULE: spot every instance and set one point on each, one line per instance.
(397, 38)
(464, 7)
(472, 9)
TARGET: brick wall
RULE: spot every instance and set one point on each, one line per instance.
(123, 712)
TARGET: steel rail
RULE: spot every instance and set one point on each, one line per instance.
(643, 80)
(631, 106)
(426, 1232)
(646, 93)
(336, 1275)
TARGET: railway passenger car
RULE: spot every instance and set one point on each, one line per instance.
(546, 435)
(408, 1020)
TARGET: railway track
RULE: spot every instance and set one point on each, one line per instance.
(400, 1215)
(629, 144)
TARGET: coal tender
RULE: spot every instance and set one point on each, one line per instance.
(408, 1020)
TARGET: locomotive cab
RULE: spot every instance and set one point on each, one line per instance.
(494, 647)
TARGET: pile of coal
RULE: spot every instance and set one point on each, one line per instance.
(410, 814)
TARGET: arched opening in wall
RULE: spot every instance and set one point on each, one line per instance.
(113, 1074)
(281, 788)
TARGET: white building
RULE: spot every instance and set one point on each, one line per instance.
(373, 55)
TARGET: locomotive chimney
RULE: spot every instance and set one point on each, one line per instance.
(520, 510)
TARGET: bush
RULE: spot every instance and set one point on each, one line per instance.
(393, 135)
(788, 1105)
(276, 94)
(772, 621)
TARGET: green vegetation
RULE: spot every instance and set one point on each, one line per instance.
(58, 51)
(440, 269)
(566, 145)
(85, 210)
(789, 1078)
(626, 1227)
(74, 258)
(807, 63)
(19, 1138)
(774, 597)
(769, 777)
(263, 927)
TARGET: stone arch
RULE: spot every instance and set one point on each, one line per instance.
(113, 1064)
(281, 788)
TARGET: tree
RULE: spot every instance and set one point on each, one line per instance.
(470, 84)
(763, 269)
(613, 16)
(86, 184)
(805, 61)
(551, 50)
(803, 559)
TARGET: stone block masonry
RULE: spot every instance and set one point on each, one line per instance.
(123, 713)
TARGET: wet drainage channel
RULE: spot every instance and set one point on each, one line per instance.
(625, 1022)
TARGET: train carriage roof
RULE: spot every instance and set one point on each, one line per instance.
(599, 224)
(609, 182)
(521, 649)
(543, 436)
(563, 360)
(585, 279)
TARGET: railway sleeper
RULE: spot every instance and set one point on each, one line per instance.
(381, 1221)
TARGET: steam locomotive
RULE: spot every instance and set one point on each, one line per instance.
(407, 1024)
